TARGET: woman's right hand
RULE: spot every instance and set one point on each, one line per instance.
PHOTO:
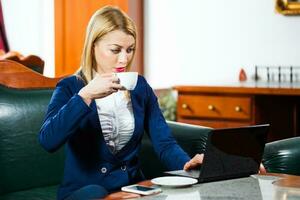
(101, 86)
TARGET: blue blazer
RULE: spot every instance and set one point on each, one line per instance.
(88, 161)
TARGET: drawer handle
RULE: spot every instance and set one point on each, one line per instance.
(210, 107)
(238, 109)
(184, 106)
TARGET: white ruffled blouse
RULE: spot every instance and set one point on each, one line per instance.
(116, 119)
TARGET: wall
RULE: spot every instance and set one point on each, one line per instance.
(189, 42)
(30, 29)
(204, 42)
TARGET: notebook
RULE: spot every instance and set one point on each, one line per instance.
(230, 153)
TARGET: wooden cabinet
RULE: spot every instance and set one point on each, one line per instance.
(236, 105)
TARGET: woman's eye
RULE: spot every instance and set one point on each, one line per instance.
(130, 50)
(115, 51)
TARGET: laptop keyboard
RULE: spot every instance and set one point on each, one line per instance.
(190, 173)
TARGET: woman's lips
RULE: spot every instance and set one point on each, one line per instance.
(120, 69)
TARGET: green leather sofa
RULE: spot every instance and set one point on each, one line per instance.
(27, 172)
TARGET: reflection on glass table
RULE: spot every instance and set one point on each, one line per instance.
(256, 187)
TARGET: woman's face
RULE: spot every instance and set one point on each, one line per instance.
(114, 51)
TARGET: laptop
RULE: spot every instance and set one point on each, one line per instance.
(230, 153)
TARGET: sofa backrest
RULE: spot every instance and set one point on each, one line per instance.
(31, 61)
(23, 163)
(191, 138)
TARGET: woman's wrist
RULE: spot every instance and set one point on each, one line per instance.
(85, 96)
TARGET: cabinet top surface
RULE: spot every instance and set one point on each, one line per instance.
(259, 88)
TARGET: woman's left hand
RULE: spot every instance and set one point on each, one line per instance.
(262, 169)
(194, 162)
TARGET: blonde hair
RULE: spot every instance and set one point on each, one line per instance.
(103, 21)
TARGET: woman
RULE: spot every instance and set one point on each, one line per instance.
(100, 123)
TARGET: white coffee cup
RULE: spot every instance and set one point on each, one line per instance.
(128, 79)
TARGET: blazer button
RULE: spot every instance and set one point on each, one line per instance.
(123, 167)
(103, 170)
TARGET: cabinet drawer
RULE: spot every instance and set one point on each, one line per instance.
(219, 107)
(215, 123)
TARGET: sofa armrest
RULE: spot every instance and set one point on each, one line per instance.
(283, 156)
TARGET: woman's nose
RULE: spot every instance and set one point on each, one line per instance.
(123, 57)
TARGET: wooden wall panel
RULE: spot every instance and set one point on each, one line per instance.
(136, 12)
(71, 19)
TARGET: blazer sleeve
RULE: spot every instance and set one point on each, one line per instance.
(165, 145)
(65, 111)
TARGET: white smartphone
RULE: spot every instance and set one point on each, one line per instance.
(140, 189)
